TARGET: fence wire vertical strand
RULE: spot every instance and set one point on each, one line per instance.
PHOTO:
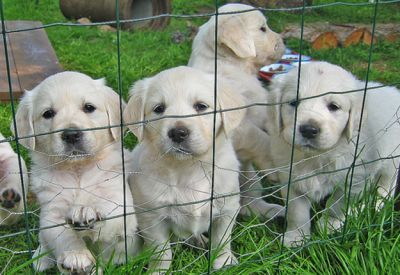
(27, 229)
(118, 33)
(214, 135)
(294, 136)
(397, 191)
(346, 213)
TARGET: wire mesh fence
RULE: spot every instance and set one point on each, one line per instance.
(117, 218)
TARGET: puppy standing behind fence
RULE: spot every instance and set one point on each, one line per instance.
(173, 163)
(244, 44)
(12, 208)
(76, 174)
(325, 136)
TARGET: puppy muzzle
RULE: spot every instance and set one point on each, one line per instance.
(179, 136)
(309, 131)
(73, 142)
(72, 136)
(307, 138)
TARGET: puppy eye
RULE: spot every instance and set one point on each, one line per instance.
(200, 107)
(294, 103)
(50, 113)
(263, 29)
(333, 107)
(159, 109)
(89, 108)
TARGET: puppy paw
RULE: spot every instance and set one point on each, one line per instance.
(294, 238)
(76, 262)
(263, 210)
(82, 217)
(9, 198)
(225, 259)
(200, 241)
(272, 210)
(330, 224)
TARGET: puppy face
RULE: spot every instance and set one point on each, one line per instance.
(322, 121)
(175, 92)
(247, 35)
(68, 103)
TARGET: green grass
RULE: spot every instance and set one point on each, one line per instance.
(371, 243)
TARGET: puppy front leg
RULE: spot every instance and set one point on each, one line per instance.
(298, 218)
(11, 201)
(45, 259)
(334, 218)
(221, 240)
(68, 248)
(156, 234)
(252, 199)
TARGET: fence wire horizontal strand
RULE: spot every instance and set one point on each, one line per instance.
(147, 121)
(193, 16)
(207, 200)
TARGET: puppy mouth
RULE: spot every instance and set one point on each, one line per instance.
(307, 145)
(181, 150)
(76, 153)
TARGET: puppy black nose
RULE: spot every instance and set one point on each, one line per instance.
(71, 136)
(178, 134)
(309, 130)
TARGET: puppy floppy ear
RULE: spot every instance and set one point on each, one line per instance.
(233, 34)
(134, 111)
(354, 117)
(112, 107)
(227, 99)
(24, 121)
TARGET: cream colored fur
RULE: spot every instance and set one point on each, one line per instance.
(12, 208)
(244, 44)
(172, 181)
(316, 159)
(77, 183)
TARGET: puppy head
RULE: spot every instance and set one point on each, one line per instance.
(178, 92)
(68, 103)
(246, 35)
(322, 121)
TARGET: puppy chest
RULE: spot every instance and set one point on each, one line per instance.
(189, 220)
(73, 188)
(188, 211)
(313, 185)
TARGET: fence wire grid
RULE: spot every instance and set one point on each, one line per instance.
(249, 227)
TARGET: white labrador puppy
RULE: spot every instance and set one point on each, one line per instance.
(325, 137)
(244, 44)
(11, 204)
(172, 179)
(76, 174)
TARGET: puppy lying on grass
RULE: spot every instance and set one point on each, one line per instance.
(324, 145)
(174, 176)
(77, 173)
(11, 203)
(244, 44)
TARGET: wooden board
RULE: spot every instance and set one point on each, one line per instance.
(4, 85)
(32, 55)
